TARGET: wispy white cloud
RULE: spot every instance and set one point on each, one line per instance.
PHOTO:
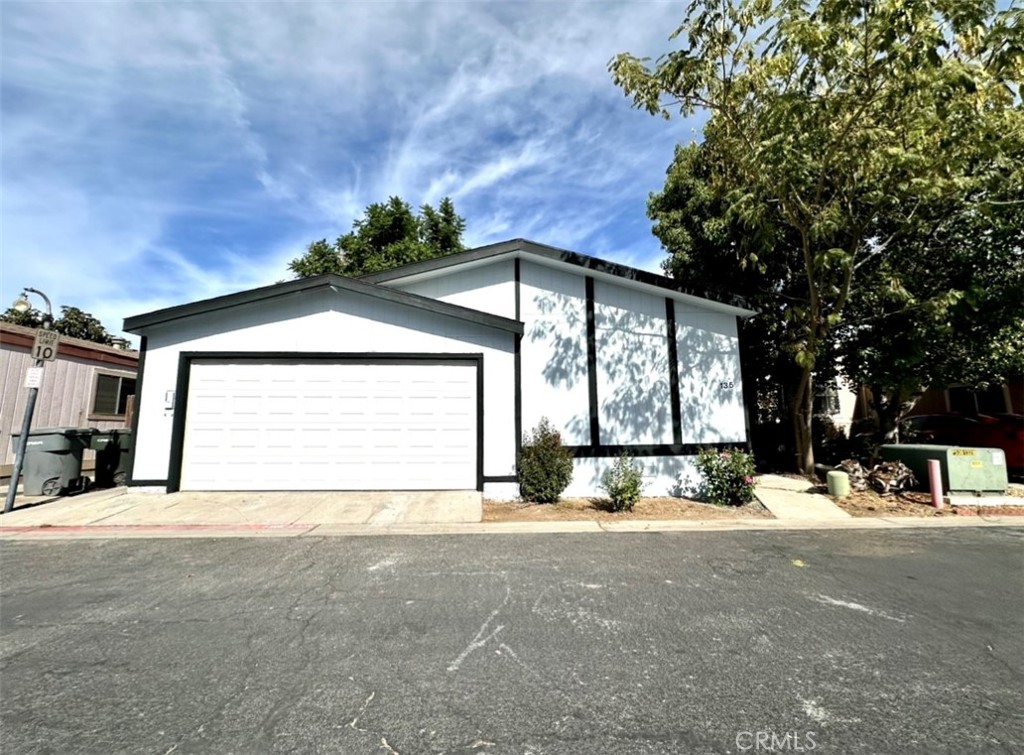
(206, 153)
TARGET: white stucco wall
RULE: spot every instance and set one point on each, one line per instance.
(710, 385)
(633, 386)
(553, 308)
(323, 321)
(487, 288)
(674, 476)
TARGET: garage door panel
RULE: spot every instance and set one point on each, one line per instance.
(330, 426)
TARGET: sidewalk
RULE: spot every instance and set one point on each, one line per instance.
(791, 499)
(119, 513)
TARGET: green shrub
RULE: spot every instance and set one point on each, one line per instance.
(727, 477)
(623, 483)
(545, 465)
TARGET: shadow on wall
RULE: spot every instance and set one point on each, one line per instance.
(673, 476)
(633, 373)
(562, 332)
(710, 388)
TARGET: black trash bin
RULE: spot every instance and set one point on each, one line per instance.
(112, 447)
(53, 460)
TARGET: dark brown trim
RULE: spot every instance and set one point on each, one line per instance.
(501, 478)
(743, 383)
(187, 358)
(595, 422)
(143, 345)
(518, 368)
(147, 483)
(673, 371)
(178, 421)
(479, 360)
(666, 449)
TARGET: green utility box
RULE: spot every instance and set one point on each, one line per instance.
(978, 471)
(112, 448)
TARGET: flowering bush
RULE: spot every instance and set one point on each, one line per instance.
(727, 477)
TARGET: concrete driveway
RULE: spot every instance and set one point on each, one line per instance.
(120, 506)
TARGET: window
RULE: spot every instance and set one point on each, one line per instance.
(970, 402)
(110, 396)
(826, 398)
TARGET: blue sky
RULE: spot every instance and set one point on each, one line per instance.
(155, 154)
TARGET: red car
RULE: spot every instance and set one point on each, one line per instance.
(1005, 431)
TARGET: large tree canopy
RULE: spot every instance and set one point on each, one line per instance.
(388, 235)
(844, 130)
(73, 322)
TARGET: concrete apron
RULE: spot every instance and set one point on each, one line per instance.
(299, 510)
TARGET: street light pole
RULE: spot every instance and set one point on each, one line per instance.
(22, 304)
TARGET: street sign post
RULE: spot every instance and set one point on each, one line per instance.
(45, 347)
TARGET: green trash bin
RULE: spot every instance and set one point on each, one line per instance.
(53, 460)
(111, 447)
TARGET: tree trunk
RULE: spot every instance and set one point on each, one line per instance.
(892, 408)
(801, 413)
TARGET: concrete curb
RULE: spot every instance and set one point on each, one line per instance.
(107, 532)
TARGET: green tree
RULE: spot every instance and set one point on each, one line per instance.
(842, 124)
(30, 318)
(73, 322)
(702, 240)
(388, 235)
(946, 309)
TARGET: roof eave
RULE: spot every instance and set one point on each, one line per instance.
(139, 323)
(519, 247)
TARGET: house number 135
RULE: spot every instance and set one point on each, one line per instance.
(726, 385)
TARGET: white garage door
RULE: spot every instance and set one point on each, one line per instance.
(330, 426)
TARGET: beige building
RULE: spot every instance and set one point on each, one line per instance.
(88, 385)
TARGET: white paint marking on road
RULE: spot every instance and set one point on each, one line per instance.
(354, 721)
(815, 712)
(826, 600)
(385, 746)
(480, 640)
(508, 650)
(384, 563)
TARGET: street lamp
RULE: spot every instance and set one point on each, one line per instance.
(22, 304)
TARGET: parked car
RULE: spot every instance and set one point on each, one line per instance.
(1005, 431)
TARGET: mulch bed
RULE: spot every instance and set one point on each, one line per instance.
(596, 509)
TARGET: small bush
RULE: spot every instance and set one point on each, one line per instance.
(727, 476)
(545, 465)
(623, 483)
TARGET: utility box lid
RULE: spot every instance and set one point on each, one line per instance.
(978, 471)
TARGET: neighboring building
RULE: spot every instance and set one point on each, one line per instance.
(88, 385)
(426, 377)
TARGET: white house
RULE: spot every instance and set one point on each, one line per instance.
(426, 377)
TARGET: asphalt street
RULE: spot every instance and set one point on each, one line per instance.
(908, 641)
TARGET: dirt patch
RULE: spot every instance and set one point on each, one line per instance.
(596, 509)
(914, 503)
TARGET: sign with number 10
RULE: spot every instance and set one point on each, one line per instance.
(45, 346)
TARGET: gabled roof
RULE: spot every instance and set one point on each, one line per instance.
(139, 323)
(526, 248)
